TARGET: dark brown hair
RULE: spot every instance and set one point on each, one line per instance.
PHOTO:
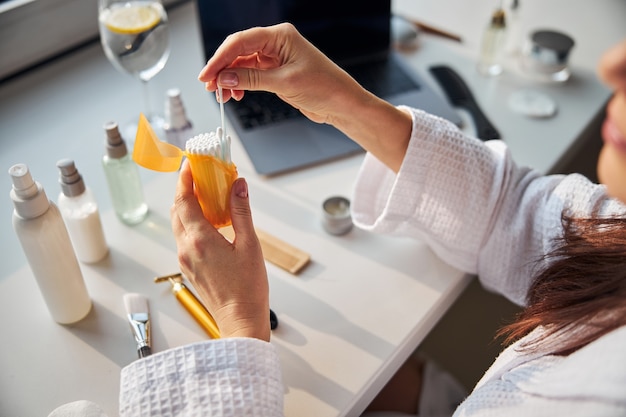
(581, 294)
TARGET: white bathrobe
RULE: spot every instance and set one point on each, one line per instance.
(480, 213)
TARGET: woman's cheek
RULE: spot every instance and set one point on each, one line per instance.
(612, 171)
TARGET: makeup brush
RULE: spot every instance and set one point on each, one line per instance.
(138, 314)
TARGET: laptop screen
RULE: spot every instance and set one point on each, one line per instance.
(346, 32)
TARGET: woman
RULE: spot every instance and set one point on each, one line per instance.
(554, 243)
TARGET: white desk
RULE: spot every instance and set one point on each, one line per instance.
(346, 322)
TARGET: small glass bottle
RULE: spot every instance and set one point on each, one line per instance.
(80, 212)
(177, 126)
(123, 178)
(493, 45)
(46, 243)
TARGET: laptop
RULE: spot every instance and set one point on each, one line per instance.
(356, 35)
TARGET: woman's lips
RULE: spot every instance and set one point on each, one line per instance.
(613, 136)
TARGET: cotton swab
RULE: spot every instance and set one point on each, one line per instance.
(213, 175)
(221, 99)
(210, 144)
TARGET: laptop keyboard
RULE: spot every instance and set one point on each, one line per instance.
(382, 78)
(259, 108)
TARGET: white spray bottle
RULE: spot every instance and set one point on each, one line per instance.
(42, 233)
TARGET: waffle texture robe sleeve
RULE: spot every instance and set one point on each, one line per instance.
(224, 377)
(472, 204)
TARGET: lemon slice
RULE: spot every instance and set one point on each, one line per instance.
(133, 19)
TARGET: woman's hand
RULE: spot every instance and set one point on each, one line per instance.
(230, 278)
(278, 59)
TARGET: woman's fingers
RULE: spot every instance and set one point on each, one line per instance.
(243, 46)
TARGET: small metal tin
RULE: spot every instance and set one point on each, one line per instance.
(546, 55)
(336, 217)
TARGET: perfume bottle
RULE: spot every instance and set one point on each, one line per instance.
(80, 212)
(46, 243)
(493, 44)
(123, 178)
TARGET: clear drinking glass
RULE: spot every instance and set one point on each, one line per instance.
(135, 38)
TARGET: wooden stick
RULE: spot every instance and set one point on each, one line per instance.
(276, 251)
(434, 30)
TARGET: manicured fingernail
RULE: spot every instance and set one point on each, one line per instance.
(228, 79)
(241, 188)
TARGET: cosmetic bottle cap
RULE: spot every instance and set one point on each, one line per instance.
(29, 198)
(175, 115)
(550, 47)
(115, 145)
(498, 19)
(71, 181)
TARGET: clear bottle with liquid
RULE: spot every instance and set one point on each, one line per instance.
(46, 243)
(80, 211)
(123, 178)
(493, 44)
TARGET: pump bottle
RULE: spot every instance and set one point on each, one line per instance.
(178, 129)
(46, 243)
(123, 178)
(80, 212)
